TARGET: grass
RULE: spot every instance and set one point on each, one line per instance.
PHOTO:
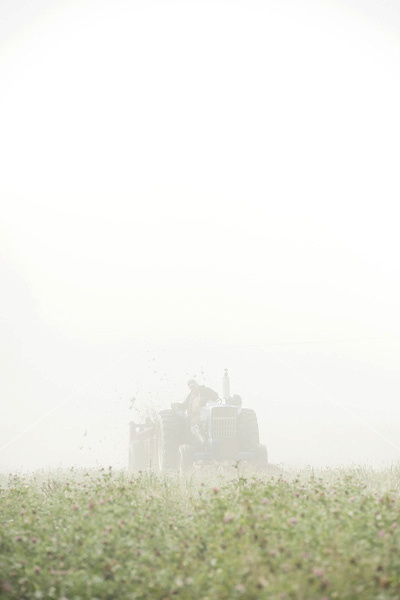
(106, 535)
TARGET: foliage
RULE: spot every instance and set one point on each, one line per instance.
(104, 535)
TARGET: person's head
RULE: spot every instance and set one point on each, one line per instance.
(193, 385)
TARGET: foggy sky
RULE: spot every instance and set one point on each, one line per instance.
(193, 186)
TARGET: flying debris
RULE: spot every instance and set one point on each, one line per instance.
(132, 402)
(85, 434)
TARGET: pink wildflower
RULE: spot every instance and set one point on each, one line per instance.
(264, 501)
(318, 572)
(381, 533)
(293, 521)
(37, 569)
(228, 518)
(75, 507)
(215, 490)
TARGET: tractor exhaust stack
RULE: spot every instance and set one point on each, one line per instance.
(226, 393)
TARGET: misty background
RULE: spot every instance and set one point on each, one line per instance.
(193, 186)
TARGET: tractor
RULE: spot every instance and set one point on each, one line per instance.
(225, 432)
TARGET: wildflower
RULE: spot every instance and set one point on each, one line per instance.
(37, 569)
(240, 588)
(384, 581)
(381, 533)
(215, 490)
(318, 572)
(228, 518)
(75, 507)
(33, 540)
(394, 525)
(264, 501)
(5, 586)
(293, 521)
(18, 538)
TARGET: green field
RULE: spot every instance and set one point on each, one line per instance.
(327, 535)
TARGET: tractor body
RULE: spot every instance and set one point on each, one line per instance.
(223, 432)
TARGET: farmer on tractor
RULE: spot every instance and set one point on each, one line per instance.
(203, 428)
(199, 396)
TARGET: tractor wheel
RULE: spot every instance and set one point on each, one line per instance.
(248, 434)
(138, 457)
(262, 456)
(186, 458)
(170, 434)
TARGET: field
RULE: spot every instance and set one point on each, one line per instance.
(77, 535)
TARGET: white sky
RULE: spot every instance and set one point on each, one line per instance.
(186, 183)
